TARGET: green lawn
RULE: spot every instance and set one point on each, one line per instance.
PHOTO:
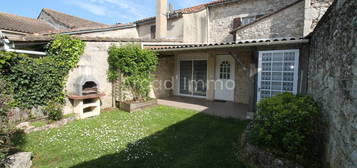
(156, 137)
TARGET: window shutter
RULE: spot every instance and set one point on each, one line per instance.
(153, 31)
(237, 22)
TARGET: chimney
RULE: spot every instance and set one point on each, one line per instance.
(161, 19)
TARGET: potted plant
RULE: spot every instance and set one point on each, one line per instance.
(135, 66)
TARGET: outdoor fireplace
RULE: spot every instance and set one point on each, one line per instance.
(86, 85)
(86, 94)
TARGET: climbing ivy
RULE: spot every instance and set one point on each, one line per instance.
(136, 65)
(38, 81)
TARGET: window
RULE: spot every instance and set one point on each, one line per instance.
(225, 70)
(153, 31)
(277, 72)
(247, 20)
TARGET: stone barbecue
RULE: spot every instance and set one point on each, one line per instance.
(86, 94)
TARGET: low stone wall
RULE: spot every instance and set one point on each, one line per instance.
(17, 114)
(332, 80)
(261, 158)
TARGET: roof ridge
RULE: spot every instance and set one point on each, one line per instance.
(14, 22)
(188, 9)
(51, 11)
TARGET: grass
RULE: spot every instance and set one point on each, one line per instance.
(156, 137)
(39, 123)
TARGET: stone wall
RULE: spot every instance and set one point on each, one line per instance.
(221, 16)
(163, 77)
(333, 80)
(286, 23)
(47, 18)
(174, 29)
(314, 10)
(195, 27)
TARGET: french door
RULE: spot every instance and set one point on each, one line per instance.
(193, 78)
(277, 72)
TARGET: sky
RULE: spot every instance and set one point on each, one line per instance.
(103, 11)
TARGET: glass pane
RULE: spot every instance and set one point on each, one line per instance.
(289, 66)
(266, 57)
(288, 86)
(265, 94)
(276, 86)
(266, 66)
(266, 85)
(277, 66)
(278, 56)
(266, 75)
(277, 76)
(288, 76)
(185, 77)
(200, 78)
(289, 56)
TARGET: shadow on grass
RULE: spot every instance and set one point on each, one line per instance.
(200, 141)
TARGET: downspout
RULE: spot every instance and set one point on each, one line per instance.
(8, 47)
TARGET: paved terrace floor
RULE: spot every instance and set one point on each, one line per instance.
(216, 108)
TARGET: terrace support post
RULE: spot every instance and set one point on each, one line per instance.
(250, 75)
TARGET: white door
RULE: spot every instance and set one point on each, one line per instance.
(277, 72)
(225, 83)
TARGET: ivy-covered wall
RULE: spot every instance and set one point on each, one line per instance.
(39, 81)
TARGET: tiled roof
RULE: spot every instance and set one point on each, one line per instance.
(190, 9)
(22, 24)
(71, 21)
(253, 42)
(46, 38)
(90, 29)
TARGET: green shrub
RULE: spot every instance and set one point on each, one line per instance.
(54, 111)
(37, 81)
(5, 129)
(136, 65)
(288, 124)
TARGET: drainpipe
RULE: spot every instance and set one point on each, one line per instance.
(8, 48)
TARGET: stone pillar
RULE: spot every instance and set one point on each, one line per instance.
(211, 68)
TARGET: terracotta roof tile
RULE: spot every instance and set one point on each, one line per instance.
(22, 24)
(189, 10)
(71, 21)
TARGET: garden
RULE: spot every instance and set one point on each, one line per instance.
(286, 126)
(155, 137)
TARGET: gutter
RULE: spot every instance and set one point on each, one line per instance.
(303, 41)
(9, 47)
(165, 44)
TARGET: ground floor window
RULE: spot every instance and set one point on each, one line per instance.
(277, 72)
(193, 77)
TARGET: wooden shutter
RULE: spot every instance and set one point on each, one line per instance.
(237, 22)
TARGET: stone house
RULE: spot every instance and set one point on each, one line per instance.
(257, 46)
(254, 48)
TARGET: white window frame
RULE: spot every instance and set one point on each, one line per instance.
(248, 19)
(296, 70)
